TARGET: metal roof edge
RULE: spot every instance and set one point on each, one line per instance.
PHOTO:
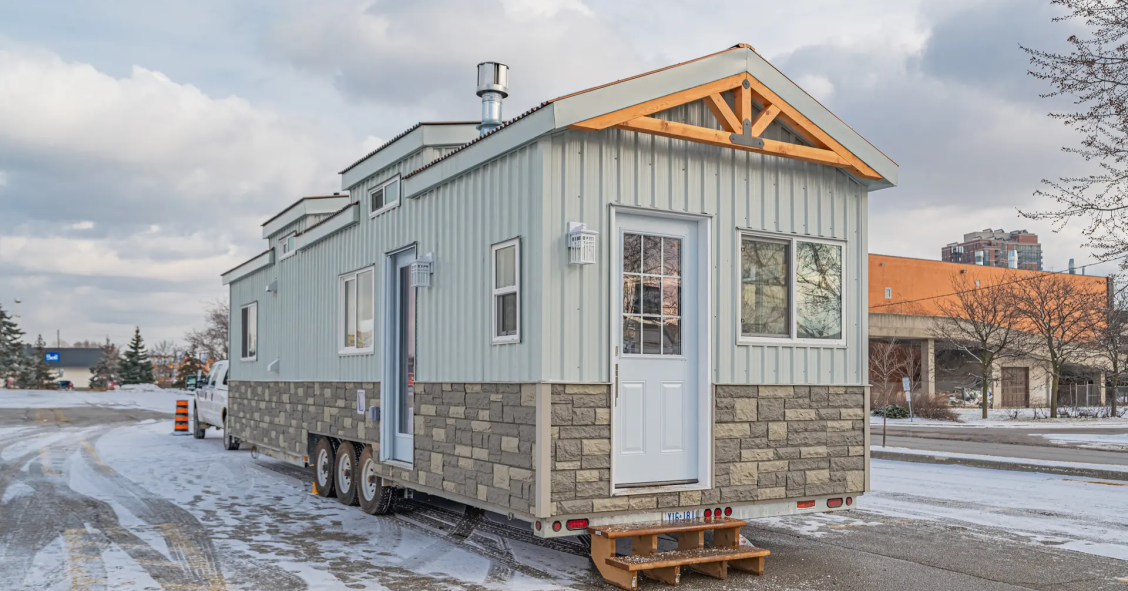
(300, 209)
(520, 130)
(265, 259)
(403, 145)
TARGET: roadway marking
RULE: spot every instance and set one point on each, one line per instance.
(94, 455)
(196, 562)
(45, 461)
(1098, 482)
(83, 553)
(60, 417)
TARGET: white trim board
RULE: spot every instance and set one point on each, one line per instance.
(259, 262)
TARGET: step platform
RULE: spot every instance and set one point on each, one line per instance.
(714, 561)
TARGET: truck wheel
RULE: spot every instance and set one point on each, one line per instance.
(323, 467)
(374, 498)
(198, 429)
(345, 478)
(230, 443)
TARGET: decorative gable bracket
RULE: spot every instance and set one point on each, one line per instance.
(740, 128)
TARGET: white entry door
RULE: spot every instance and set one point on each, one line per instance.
(397, 434)
(660, 341)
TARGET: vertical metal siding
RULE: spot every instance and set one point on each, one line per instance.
(586, 172)
(458, 222)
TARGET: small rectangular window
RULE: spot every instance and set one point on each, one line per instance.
(249, 332)
(357, 316)
(288, 243)
(506, 292)
(384, 197)
(791, 288)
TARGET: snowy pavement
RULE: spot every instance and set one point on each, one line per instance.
(1112, 441)
(1010, 418)
(103, 497)
(154, 399)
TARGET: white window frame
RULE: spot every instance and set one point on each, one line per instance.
(282, 245)
(341, 279)
(387, 206)
(243, 332)
(495, 291)
(793, 261)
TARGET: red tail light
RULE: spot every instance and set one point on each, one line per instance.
(717, 512)
(577, 524)
(805, 504)
(556, 526)
(728, 511)
(708, 514)
(538, 526)
(833, 503)
(849, 500)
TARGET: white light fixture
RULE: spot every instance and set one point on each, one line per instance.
(581, 244)
(421, 269)
(272, 287)
(274, 366)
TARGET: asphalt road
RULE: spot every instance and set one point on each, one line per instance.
(156, 512)
(1013, 442)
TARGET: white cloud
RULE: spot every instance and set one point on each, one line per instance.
(83, 225)
(3, 178)
(817, 86)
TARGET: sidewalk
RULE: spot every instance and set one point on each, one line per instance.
(1085, 470)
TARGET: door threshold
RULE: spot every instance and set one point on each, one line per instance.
(656, 488)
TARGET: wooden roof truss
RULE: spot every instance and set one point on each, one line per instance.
(741, 129)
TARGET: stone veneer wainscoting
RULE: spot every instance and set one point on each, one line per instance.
(473, 440)
(770, 442)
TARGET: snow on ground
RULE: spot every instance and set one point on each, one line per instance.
(1007, 417)
(1002, 459)
(146, 397)
(1117, 442)
(1081, 514)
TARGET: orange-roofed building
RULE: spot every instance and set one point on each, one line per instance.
(907, 295)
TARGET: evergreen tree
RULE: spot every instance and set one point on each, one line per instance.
(106, 370)
(11, 348)
(37, 373)
(135, 365)
(188, 367)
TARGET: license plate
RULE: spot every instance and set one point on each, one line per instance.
(680, 515)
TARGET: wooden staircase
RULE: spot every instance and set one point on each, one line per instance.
(714, 561)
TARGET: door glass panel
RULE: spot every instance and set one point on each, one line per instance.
(652, 268)
(632, 253)
(407, 349)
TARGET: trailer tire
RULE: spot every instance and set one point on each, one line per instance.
(374, 498)
(230, 442)
(323, 464)
(198, 429)
(345, 476)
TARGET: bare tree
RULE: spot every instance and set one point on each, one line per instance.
(980, 321)
(213, 339)
(889, 361)
(1063, 313)
(1094, 74)
(1112, 342)
(163, 356)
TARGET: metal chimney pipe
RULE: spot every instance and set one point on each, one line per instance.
(493, 86)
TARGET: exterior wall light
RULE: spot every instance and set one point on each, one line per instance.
(581, 244)
(421, 269)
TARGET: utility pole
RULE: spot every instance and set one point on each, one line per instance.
(58, 340)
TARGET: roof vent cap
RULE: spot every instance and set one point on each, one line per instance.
(493, 86)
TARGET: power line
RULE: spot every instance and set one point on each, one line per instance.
(975, 289)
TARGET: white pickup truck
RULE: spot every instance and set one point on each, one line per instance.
(210, 409)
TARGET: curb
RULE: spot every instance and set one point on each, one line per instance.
(1011, 466)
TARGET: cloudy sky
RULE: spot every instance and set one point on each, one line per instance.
(142, 142)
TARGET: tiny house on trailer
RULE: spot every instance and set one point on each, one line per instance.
(641, 302)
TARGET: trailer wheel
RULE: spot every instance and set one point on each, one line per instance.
(345, 477)
(230, 443)
(198, 429)
(323, 467)
(374, 498)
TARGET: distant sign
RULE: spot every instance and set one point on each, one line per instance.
(51, 357)
(907, 384)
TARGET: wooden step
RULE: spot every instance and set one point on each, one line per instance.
(628, 530)
(686, 557)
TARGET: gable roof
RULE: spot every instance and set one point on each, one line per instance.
(663, 88)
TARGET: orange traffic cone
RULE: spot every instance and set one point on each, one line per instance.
(180, 427)
(314, 487)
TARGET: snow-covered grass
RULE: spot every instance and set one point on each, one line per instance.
(1081, 514)
(154, 399)
(1008, 417)
(1117, 442)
